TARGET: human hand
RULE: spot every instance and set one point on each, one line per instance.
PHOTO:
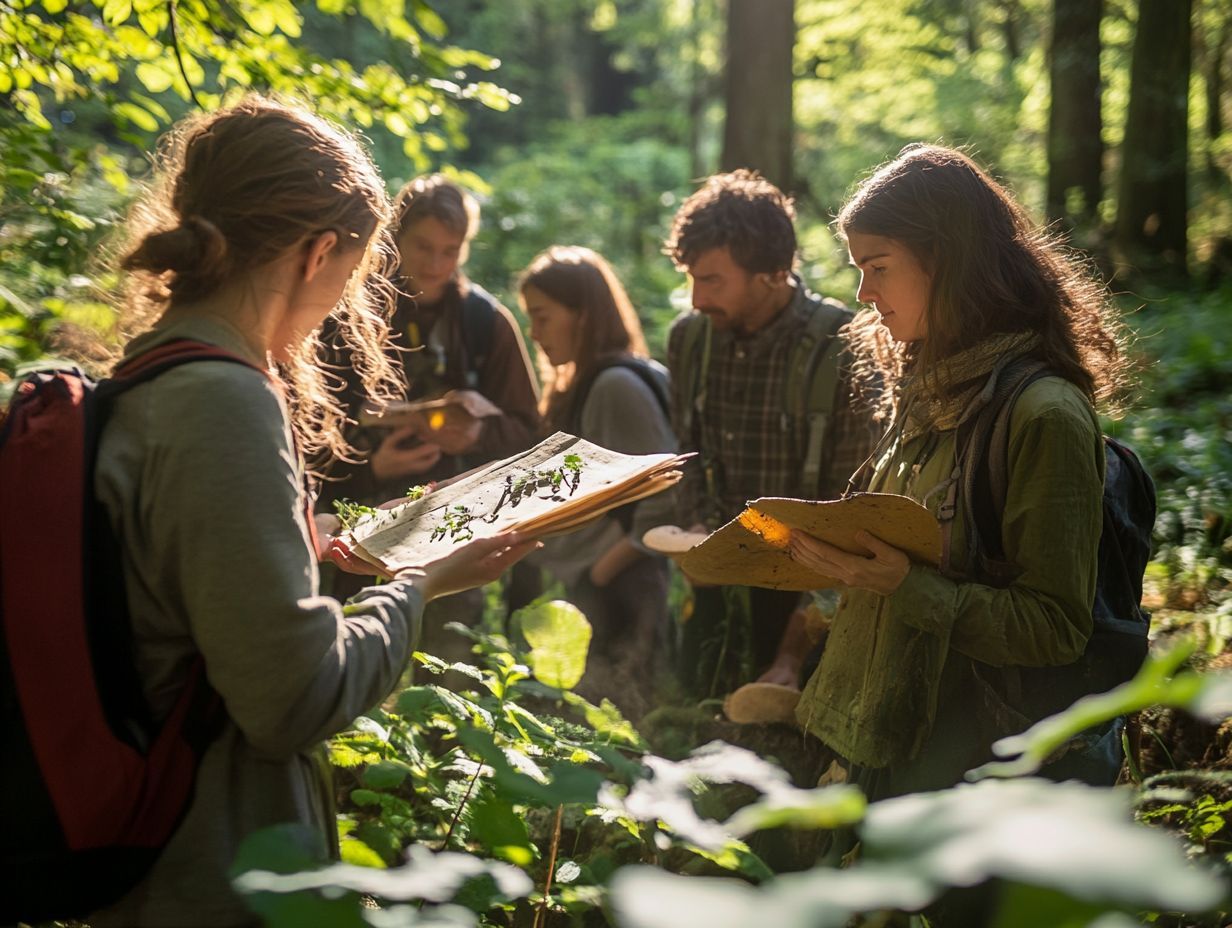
(402, 454)
(882, 571)
(332, 549)
(470, 565)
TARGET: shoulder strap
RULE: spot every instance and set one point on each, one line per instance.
(478, 330)
(695, 364)
(171, 354)
(982, 458)
(645, 373)
(811, 387)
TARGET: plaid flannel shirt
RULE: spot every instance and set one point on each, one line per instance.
(755, 447)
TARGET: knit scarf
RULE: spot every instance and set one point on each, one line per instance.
(942, 398)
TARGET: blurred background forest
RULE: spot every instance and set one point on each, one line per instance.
(588, 121)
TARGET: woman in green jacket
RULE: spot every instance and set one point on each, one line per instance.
(919, 673)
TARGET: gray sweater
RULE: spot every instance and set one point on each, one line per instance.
(620, 413)
(205, 492)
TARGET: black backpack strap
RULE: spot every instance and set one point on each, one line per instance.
(639, 366)
(981, 449)
(694, 365)
(478, 324)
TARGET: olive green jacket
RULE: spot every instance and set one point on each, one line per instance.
(899, 668)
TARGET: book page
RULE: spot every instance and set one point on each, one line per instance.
(561, 483)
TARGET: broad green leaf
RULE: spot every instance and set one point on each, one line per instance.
(606, 720)
(381, 839)
(155, 77)
(1075, 839)
(559, 637)
(565, 782)
(824, 807)
(261, 18)
(137, 116)
(500, 830)
(354, 851)
(117, 11)
(1158, 683)
(388, 774)
(427, 876)
(280, 849)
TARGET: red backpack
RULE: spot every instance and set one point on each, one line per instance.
(91, 788)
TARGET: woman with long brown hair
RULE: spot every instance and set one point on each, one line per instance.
(262, 221)
(600, 384)
(923, 666)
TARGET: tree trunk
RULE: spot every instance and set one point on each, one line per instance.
(1215, 53)
(1151, 214)
(1075, 122)
(758, 129)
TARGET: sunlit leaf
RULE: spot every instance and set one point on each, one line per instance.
(427, 876)
(354, 851)
(559, 638)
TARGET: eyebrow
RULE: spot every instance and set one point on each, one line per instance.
(868, 258)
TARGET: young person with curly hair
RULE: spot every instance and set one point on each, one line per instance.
(452, 338)
(762, 390)
(263, 220)
(924, 668)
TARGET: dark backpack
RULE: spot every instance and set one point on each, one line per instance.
(90, 787)
(1118, 644)
(654, 380)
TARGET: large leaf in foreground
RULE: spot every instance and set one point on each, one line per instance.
(559, 638)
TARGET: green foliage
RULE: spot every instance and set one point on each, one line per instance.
(90, 84)
(1181, 426)
(559, 637)
(1160, 682)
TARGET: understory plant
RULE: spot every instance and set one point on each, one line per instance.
(515, 801)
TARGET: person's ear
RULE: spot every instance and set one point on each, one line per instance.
(778, 278)
(318, 251)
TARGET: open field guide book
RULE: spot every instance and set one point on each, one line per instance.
(557, 486)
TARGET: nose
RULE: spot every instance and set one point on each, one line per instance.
(866, 293)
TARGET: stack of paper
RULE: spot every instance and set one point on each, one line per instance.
(557, 486)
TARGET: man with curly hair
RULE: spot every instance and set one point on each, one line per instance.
(763, 391)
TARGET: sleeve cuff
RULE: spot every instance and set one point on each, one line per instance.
(925, 600)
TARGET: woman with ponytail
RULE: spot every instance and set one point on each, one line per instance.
(262, 221)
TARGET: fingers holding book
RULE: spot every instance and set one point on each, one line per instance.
(881, 571)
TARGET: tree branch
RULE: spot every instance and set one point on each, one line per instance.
(179, 57)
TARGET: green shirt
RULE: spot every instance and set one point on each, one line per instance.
(891, 661)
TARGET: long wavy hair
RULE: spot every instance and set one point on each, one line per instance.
(236, 189)
(993, 271)
(583, 282)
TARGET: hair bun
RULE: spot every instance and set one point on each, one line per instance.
(212, 243)
(196, 250)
